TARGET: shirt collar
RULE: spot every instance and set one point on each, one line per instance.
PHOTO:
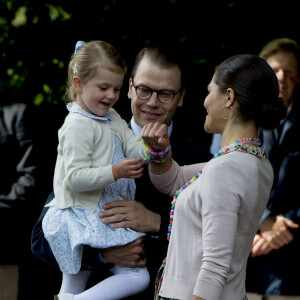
(75, 108)
(137, 130)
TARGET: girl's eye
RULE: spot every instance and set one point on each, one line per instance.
(103, 88)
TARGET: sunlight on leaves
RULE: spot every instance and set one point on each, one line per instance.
(47, 89)
(10, 71)
(56, 12)
(53, 12)
(38, 99)
(59, 63)
(20, 17)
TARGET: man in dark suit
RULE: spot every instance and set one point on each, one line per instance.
(17, 190)
(275, 252)
(156, 89)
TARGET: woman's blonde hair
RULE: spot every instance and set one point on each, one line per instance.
(86, 59)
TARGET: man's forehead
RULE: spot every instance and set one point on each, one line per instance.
(150, 72)
(283, 58)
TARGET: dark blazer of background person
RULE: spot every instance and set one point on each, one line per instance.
(18, 180)
(19, 167)
(280, 265)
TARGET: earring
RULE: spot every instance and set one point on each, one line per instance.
(222, 112)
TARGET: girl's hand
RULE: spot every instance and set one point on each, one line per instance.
(128, 168)
(156, 135)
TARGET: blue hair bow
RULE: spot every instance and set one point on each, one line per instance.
(78, 45)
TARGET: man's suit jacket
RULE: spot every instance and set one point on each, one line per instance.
(18, 179)
(273, 274)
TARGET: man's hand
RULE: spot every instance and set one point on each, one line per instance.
(274, 234)
(130, 214)
(260, 246)
(129, 255)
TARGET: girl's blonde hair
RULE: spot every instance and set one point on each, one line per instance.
(86, 59)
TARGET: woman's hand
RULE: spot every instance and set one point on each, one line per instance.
(155, 135)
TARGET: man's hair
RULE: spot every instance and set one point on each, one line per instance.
(281, 45)
(162, 57)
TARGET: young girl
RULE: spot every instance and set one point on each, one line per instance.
(92, 169)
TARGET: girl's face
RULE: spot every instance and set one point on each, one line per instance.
(214, 103)
(100, 92)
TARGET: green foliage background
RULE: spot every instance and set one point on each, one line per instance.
(37, 37)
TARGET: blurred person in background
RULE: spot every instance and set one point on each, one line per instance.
(18, 182)
(274, 260)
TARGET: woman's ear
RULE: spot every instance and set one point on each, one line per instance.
(230, 97)
(77, 84)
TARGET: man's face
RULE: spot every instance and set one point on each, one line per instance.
(285, 66)
(214, 104)
(154, 77)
